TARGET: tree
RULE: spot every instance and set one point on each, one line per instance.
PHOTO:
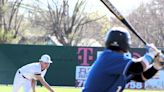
(10, 20)
(68, 27)
(37, 25)
(148, 21)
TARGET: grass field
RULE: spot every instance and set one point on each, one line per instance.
(4, 88)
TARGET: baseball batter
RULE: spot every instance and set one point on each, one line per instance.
(28, 75)
(113, 69)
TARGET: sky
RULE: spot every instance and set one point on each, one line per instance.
(124, 6)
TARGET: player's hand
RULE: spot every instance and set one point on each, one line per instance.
(159, 62)
(52, 91)
(152, 50)
(148, 58)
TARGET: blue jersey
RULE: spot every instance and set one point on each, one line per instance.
(106, 74)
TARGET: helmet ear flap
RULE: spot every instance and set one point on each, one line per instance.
(118, 39)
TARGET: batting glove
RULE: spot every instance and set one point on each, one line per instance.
(148, 58)
(152, 50)
(159, 62)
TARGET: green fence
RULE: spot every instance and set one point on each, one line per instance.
(62, 70)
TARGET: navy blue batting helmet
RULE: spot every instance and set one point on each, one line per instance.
(118, 38)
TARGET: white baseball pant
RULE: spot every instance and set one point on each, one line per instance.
(20, 81)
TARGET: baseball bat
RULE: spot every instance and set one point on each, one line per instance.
(120, 17)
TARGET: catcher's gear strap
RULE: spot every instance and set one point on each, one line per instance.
(150, 72)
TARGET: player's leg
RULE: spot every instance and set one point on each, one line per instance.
(27, 86)
(18, 82)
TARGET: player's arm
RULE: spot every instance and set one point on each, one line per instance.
(137, 72)
(44, 83)
(33, 83)
(145, 75)
(157, 65)
(149, 73)
(139, 69)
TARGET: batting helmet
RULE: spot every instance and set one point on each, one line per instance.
(118, 38)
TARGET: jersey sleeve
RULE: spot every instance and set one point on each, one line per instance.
(43, 73)
(37, 69)
(133, 71)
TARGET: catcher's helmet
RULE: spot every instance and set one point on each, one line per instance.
(117, 39)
